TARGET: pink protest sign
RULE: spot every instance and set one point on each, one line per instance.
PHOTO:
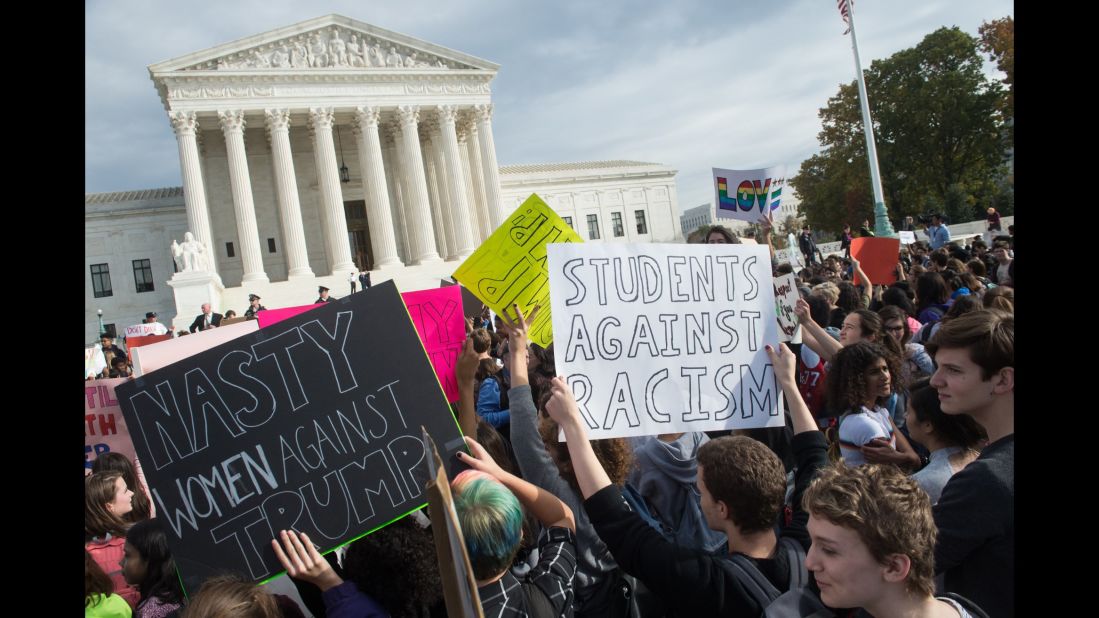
(104, 428)
(437, 314)
(268, 317)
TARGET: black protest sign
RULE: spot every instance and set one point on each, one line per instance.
(311, 424)
(471, 305)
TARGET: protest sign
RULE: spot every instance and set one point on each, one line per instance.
(237, 319)
(459, 584)
(907, 238)
(94, 361)
(132, 343)
(510, 266)
(471, 305)
(661, 338)
(268, 317)
(311, 424)
(104, 428)
(438, 319)
(141, 330)
(748, 195)
(878, 258)
(786, 298)
(153, 357)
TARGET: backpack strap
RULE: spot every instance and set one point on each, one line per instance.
(758, 587)
(795, 559)
(538, 604)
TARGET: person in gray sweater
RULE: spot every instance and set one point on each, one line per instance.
(597, 572)
(665, 475)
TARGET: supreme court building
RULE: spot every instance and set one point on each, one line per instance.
(324, 148)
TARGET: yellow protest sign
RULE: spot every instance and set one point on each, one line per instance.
(510, 267)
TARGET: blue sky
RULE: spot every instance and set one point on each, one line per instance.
(690, 84)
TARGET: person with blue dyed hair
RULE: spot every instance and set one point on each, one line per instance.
(489, 503)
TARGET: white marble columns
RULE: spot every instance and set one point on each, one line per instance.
(293, 231)
(335, 237)
(383, 242)
(488, 163)
(232, 125)
(194, 191)
(418, 209)
(461, 217)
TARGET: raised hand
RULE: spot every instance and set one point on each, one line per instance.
(302, 561)
(481, 460)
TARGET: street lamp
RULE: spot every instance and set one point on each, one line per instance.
(101, 329)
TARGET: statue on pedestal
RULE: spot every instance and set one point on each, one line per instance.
(189, 256)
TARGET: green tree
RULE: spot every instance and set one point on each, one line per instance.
(998, 41)
(938, 123)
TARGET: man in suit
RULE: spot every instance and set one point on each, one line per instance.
(323, 291)
(206, 320)
(364, 279)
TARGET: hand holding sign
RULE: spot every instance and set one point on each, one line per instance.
(802, 310)
(785, 363)
(562, 407)
(481, 461)
(302, 561)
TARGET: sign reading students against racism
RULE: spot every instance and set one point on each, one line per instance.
(748, 195)
(437, 314)
(311, 424)
(660, 338)
(509, 268)
(104, 428)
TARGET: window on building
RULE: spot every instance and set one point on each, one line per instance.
(101, 280)
(270, 245)
(568, 220)
(229, 250)
(616, 224)
(593, 227)
(143, 276)
(111, 331)
(639, 215)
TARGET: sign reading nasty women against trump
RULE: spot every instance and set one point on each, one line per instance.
(660, 338)
(311, 424)
(748, 195)
(509, 268)
(437, 314)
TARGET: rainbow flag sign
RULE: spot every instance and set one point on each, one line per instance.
(748, 195)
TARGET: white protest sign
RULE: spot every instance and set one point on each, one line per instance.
(748, 195)
(141, 330)
(662, 338)
(786, 298)
(907, 238)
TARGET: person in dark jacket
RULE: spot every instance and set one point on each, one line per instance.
(975, 516)
(807, 246)
(742, 485)
(323, 291)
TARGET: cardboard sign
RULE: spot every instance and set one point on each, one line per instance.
(151, 358)
(471, 305)
(830, 248)
(878, 258)
(104, 427)
(438, 319)
(312, 424)
(510, 266)
(786, 298)
(268, 317)
(459, 584)
(662, 338)
(907, 238)
(748, 195)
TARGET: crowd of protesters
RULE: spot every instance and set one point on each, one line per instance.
(889, 492)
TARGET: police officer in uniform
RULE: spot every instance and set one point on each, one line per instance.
(254, 307)
(323, 291)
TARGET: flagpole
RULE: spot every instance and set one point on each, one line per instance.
(882, 226)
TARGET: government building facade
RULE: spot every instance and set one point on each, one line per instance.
(328, 147)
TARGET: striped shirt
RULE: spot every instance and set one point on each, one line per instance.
(553, 574)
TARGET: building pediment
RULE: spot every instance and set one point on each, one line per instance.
(331, 43)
